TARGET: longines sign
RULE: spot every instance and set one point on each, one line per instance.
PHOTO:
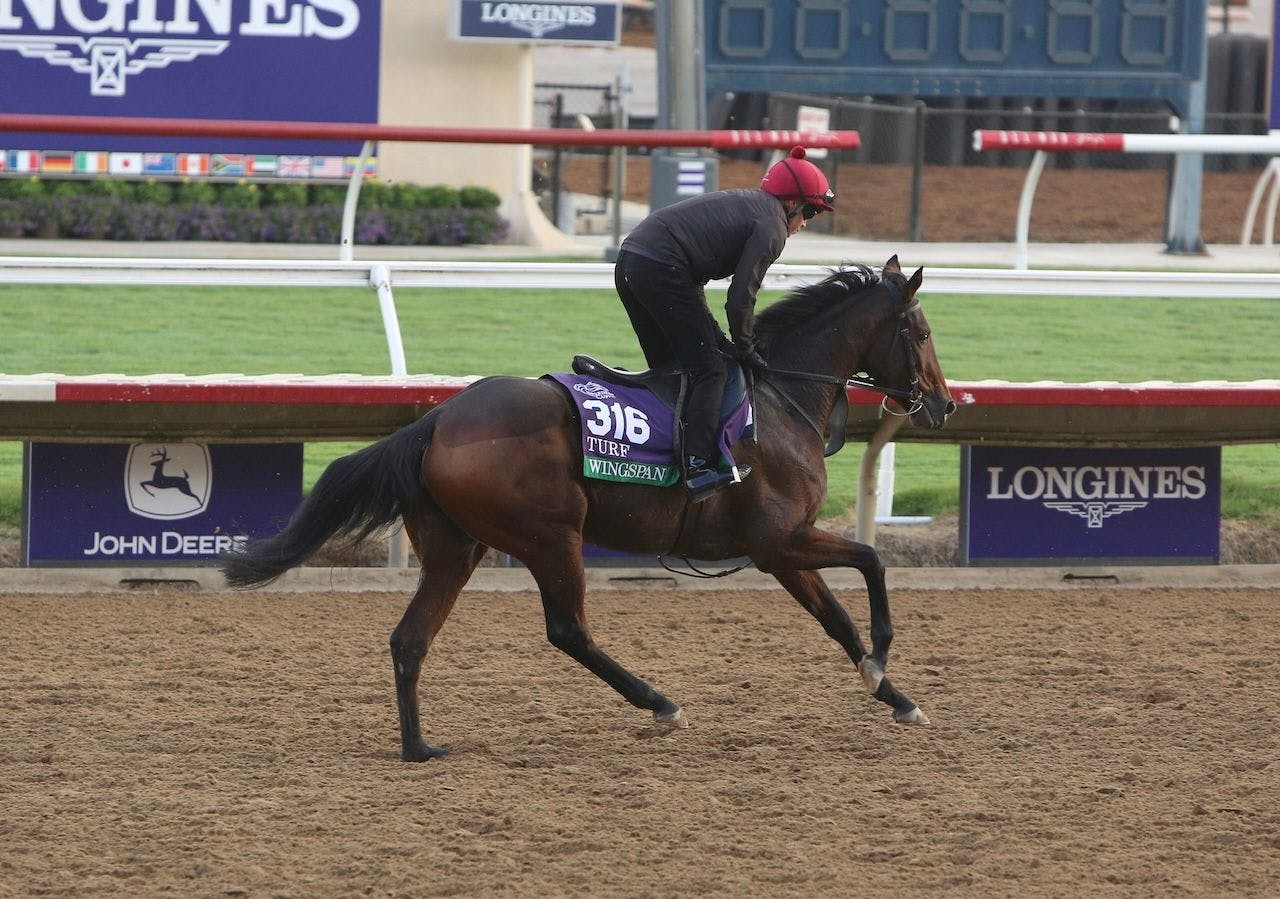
(547, 22)
(285, 60)
(1029, 505)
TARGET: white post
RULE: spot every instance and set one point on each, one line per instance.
(347, 245)
(1024, 209)
(884, 487)
(380, 280)
(865, 505)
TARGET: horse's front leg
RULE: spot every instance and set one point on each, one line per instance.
(792, 563)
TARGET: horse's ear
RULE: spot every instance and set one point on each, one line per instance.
(892, 265)
(913, 284)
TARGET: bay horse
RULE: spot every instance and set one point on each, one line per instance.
(500, 465)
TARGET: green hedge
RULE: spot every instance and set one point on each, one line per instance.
(118, 209)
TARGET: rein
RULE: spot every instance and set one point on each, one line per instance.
(911, 399)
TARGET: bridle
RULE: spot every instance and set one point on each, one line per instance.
(911, 399)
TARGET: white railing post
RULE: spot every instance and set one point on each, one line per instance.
(347, 244)
(380, 280)
(1024, 210)
(865, 505)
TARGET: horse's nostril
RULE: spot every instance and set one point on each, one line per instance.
(950, 408)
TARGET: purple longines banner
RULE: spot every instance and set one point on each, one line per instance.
(279, 60)
(1033, 505)
(166, 503)
(556, 21)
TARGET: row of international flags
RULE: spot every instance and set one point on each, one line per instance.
(192, 165)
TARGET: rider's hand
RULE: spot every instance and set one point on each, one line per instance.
(747, 355)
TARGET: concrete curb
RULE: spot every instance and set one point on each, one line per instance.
(384, 580)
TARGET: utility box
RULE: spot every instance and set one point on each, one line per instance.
(674, 177)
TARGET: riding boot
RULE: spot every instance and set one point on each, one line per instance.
(701, 481)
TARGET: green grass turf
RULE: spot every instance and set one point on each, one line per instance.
(133, 330)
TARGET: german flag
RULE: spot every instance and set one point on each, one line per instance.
(57, 162)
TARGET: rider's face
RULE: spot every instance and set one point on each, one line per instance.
(795, 219)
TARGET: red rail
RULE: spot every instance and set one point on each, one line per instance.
(564, 137)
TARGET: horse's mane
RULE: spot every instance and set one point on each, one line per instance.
(804, 303)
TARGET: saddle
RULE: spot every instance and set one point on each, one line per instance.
(667, 384)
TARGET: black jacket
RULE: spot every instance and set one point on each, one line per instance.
(729, 233)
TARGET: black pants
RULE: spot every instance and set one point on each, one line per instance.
(670, 316)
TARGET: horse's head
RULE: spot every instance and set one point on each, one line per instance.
(902, 359)
(871, 331)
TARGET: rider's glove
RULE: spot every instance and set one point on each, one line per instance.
(746, 353)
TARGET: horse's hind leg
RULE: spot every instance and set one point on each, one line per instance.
(562, 582)
(448, 558)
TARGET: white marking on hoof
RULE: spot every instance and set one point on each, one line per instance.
(871, 673)
(672, 720)
(915, 716)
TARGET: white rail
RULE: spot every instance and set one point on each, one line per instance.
(599, 276)
(1043, 142)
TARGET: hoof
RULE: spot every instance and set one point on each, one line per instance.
(871, 673)
(671, 720)
(912, 716)
(422, 752)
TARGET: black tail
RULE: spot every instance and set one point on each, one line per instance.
(356, 495)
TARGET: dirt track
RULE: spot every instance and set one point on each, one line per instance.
(1090, 740)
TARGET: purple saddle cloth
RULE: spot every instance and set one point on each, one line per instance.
(628, 434)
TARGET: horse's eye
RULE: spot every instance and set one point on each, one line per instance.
(923, 337)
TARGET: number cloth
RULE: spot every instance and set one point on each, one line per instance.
(628, 433)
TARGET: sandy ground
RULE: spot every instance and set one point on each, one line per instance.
(1093, 740)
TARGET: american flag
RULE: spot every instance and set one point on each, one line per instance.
(328, 166)
(294, 167)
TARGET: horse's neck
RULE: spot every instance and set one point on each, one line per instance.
(814, 398)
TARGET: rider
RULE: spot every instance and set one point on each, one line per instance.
(663, 266)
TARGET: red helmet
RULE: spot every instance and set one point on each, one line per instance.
(796, 178)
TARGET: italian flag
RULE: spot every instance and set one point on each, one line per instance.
(90, 163)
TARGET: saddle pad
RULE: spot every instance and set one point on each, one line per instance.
(628, 435)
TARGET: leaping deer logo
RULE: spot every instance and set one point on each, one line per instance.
(162, 481)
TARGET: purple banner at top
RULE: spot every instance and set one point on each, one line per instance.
(548, 22)
(1036, 504)
(273, 60)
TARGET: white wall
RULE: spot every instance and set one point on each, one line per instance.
(430, 80)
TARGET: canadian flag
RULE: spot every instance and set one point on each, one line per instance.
(124, 163)
(193, 164)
